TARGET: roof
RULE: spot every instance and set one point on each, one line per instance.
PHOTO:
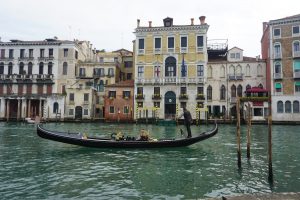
(127, 83)
(235, 48)
(291, 19)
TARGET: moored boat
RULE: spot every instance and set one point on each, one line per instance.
(82, 140)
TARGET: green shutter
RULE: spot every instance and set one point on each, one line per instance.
(297, 83)
(278, 85)
(297, 64)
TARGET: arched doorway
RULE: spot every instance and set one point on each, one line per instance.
(78, 112)
(170, 105)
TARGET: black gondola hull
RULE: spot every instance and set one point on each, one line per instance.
(77, 139)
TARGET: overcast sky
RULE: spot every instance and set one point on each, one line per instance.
(110, 24)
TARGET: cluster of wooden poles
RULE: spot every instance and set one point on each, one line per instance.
(270, 176)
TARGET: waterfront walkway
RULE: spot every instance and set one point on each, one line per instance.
(272, 196)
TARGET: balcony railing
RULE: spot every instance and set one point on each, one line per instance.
(296, 74)
(200, 97)
(140, 96)
(169, 80)
(296, 54)
(277, 56)
(26, 58)
(6, 58)
(45, 59)
(156, 97)
(277, 75)
(183, 97)
(235, 77)
(13, 77)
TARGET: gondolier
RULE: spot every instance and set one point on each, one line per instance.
(187, 121)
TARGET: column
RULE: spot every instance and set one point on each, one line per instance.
(40, 108)
(19, 110)
(29, 108)
(7, 110)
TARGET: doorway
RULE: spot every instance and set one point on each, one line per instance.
(170, 105)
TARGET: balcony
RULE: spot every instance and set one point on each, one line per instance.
(171, 50)
(296, 54)
(200, 97)
(156, 97)
(45, 59)
(6, 58)
(183, 97)
(25, 58)
(141, 51)
(277, 56)
(277, 76)
(168, 80)
(235, 77)
(183, 49)
(140, 97)
(297, 74)
(157, 51)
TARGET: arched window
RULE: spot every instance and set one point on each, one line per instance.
(170, 66)
(222, 93)
(222, 73)
(260, 86)
(41, 68)
(248, 70)
(296, 47)
(259, 70)
(238, 70)
(240, 91)
(209, 72)
(296, 107)
(288, 107)
(55, 107)
(248, 87)
(30, 68)
(233, 91)
(277, 70)
(209, 93)
(279, 107)
(50, 66)
(65, 68)
(231, 70)
(10, 68)
(1, 68)
(21, 68)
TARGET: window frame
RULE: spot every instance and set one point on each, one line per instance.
(275, 35)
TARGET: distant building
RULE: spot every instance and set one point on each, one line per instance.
(170, 63)
(119, 101)
(281, 49)
(229, 75)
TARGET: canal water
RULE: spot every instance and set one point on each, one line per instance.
(35, 168)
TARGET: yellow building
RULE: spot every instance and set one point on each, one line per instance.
(170, 63)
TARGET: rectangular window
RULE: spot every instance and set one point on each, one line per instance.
(66, 52)
(183, 41)
(140, 71)
(11, 53)
(296, 30)
(237, 56)
(157, 44)
(199, 43)
(2, 53)
(86, 97)
(200, 70)
(50, 53)
(171, 44)
(112, 94)
(140, 91)
(141, 49)
(42, 53)
(127, 64)
(101, 60)
(30, 53)
(232, 55)
(85, 111)
(22, 53)
(157, 104)
(111, 72)
(200, 90)
(76, 54)
(126, 110)
(276, 32)
(71, 112)
(297, 87)
(71, 97)
(126, 94)
(183, 90)
(156, 91)
(1, 69)
(111, 109)
(82, 72)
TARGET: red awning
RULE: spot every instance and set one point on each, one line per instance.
(256, 90)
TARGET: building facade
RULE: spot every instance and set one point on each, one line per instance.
(228, 77)
(281, 48)
(170, 68)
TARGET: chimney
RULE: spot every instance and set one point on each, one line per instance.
(150, 24)
(192, 21)
(265, 24)
(138, 23)
(202, 20)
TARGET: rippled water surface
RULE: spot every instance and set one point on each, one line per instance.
(35, 168)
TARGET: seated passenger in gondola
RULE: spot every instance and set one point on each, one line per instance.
(144, 135)
(119, 136)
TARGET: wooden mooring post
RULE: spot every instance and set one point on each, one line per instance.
(238, 132)
(249, 112)
(270, 177)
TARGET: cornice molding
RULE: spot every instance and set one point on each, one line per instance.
(202, 28)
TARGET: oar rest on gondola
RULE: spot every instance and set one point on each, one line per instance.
(78, 139)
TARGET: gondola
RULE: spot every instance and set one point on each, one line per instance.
(79, 139)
